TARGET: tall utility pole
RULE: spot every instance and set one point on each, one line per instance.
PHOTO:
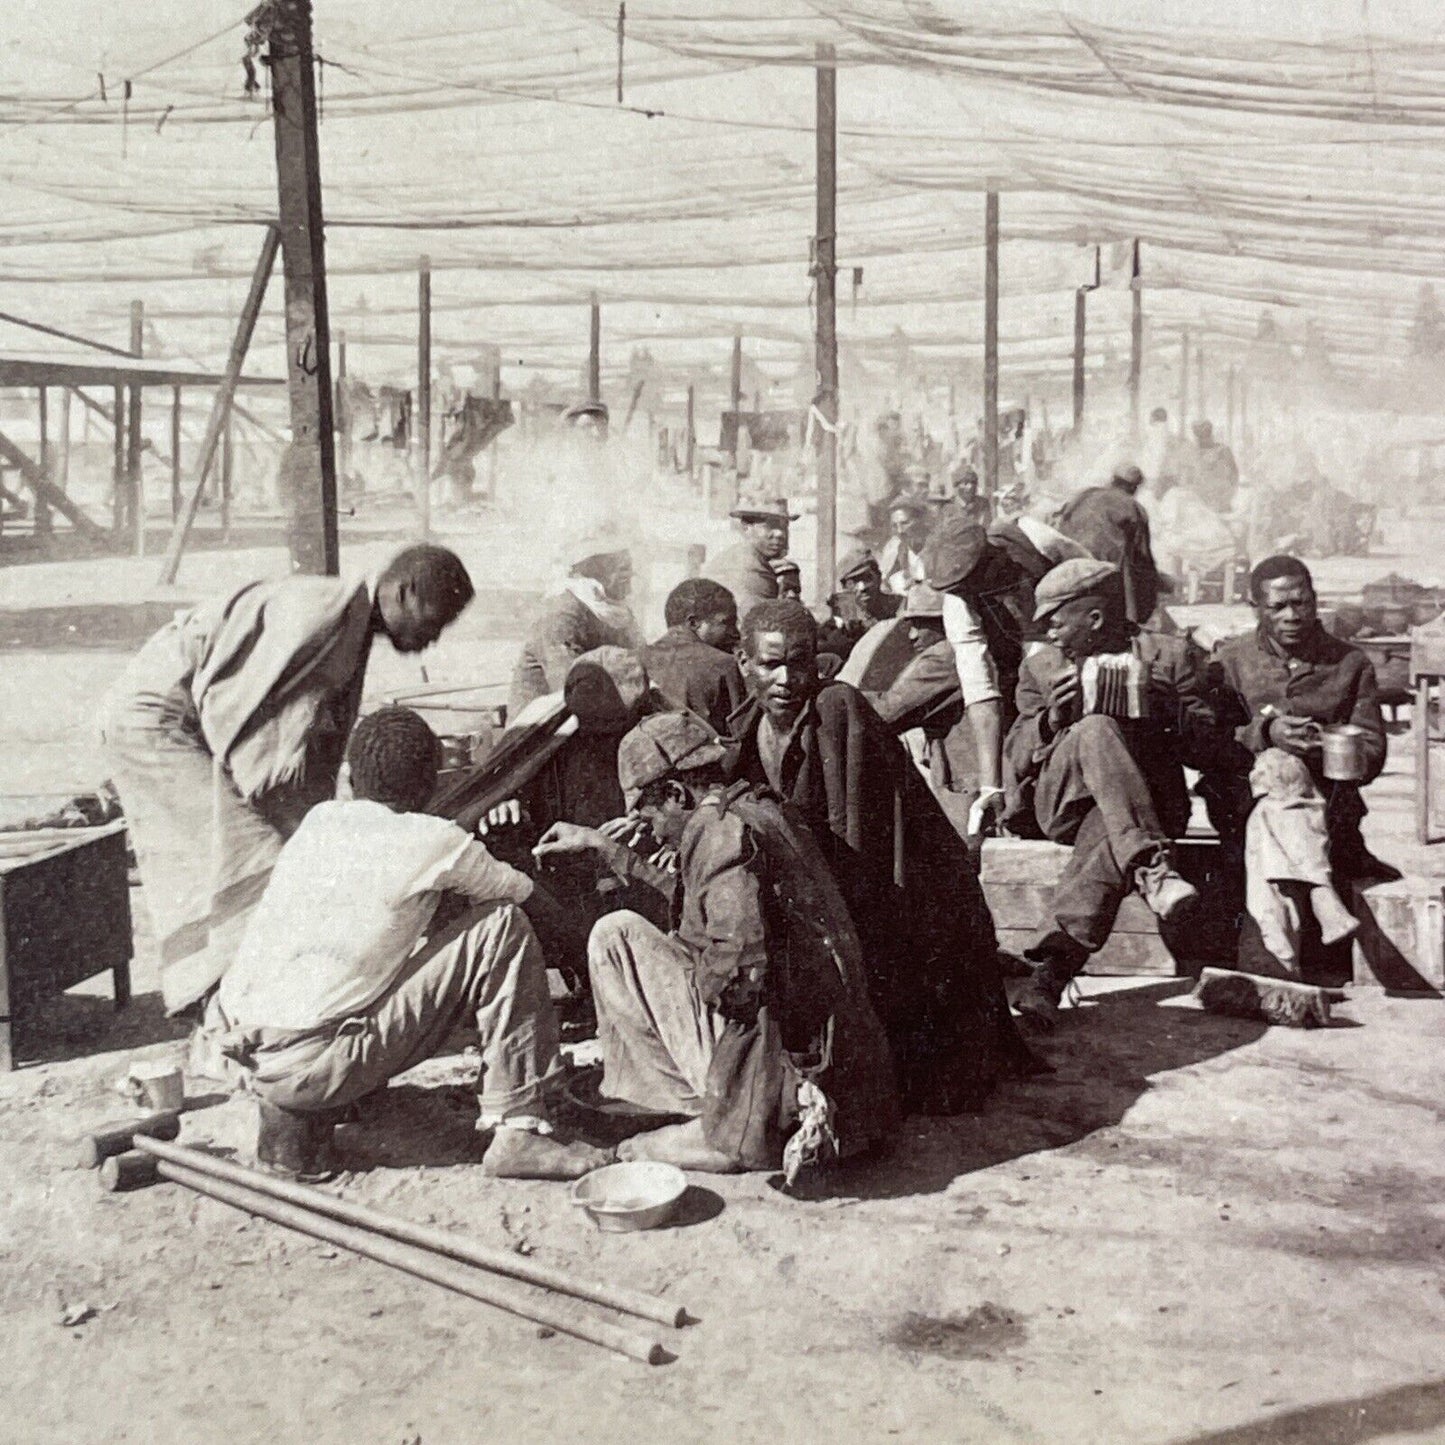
(133, 434)
(736, 392)
(594, 353)
(312, 459)
(1184, 382)
(1136, 341)
(990, 344)
(825, 277)
(422, 442)
(1079, 334)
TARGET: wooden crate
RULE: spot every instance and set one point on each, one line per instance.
(64, 917)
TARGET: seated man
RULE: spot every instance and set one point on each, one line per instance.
(344, 978)
(1108, 714)
(751, 1015)
(1282, 685)
(694, 664)
(789, 575)
(857, 605)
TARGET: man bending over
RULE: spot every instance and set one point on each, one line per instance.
(343, 980)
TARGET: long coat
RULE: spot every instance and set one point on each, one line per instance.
(911, 886)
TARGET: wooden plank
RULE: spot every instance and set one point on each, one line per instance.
(990, 344)
(825, 277)
(422, 440)
(134, 484)
(41, 486)
(221, 403)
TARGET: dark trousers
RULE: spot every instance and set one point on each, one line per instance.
(1091, 793)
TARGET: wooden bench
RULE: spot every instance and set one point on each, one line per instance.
(64, 917)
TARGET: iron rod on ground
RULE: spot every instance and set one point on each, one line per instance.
(633, 1302)
(462, 1279)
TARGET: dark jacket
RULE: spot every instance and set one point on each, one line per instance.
(777, 956)
(848, 620)
(1329, 681)
(913, 893)
(563, 631)
(692, 675)
(1115, 528)
(745, 574)
(925, 694)
(1182, 728)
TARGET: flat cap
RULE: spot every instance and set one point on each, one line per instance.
(781, 566)
(1131, 475)
(922, 601)
(856, 562)
(1078, 577)
(663, 745)
(954, 548)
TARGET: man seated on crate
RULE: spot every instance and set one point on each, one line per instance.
(350, 972)
(1108, 715)
(750, 1017)
(1293, 813)
(694, 663)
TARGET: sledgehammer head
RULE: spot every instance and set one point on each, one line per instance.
(131, 1170)
(112, 1139)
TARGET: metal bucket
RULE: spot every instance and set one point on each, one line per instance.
(1344, 752)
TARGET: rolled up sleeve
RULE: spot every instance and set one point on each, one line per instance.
(977, 672)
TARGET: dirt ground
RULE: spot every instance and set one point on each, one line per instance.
(1194, 1230)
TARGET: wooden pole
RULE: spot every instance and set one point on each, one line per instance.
(312, 457)
(40, 485)
(1184, 383)
(691, 429)
(62, 469)
(1136, 342)
(594, 351)
(175, 452)
(422, 440)
(228, 463)
(825, 274)
(736, 392)
(43, 524)
(221, 405)
(1199, 378)
(1079, 324)
(118, 514)
(1231, 383)
(134, 484)
(990, 344)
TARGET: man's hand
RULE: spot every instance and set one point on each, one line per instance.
(504, 815)
(1065, 699)
(563, 838)
(629, 830)
(985, 811)
(1297, 735)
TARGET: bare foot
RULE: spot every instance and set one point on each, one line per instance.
(1335, 920)
(679, 1144)
(520, 1154)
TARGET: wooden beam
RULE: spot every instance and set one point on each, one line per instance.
(691, 439)
(36, 480)
(312, 456)
(990, 344)
(62, 467)
(175, 452)
(1136, 342)
(594, 352)
(119, 516)
(1080, 321)
(43, 526)
(343, 411)
(228, 466)
(134, 485)
(1184, 383)
(221, 403)
(422, 439)
(825, 276)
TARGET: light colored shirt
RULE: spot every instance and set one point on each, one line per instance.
(1049, 540)
(977, 672)
(351, 896)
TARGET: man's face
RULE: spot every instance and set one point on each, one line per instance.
(666, 818)
(923, 632)
(411, 624)
(867, 585)
(965, 490)
(790, 584)
(617, 579)
(719, 629)
(782, 673)
(1287, 610)
(1077, 628)
(906, 524)
(769, 536)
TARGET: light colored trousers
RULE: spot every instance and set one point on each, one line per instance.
(656, 1033)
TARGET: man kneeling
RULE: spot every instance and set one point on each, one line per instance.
(752, 1016)
(342, 981)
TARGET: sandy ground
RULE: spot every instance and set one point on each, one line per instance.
(1193, 1230)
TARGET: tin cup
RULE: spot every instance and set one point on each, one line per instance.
(1344, 752)
(157, 1086)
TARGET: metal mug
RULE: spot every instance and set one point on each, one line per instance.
(156, 1085)
(1344, 752)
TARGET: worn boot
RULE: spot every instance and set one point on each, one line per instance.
(1056, 959)
(293, 1145)
(1167, 892)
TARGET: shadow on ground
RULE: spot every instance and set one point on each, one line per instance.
(1103, 1055)
(70, 1026)
(1406, 1409)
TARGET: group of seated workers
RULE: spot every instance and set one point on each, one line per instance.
(814, 957)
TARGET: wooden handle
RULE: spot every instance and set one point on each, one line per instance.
(117, 1138)
(618, 1297)
(412, 1260)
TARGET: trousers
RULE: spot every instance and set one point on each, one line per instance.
(1092, 794)
(657, 1035)
(486, 967)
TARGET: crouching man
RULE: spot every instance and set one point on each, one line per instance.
(343, 981)
(751, 1017)
(1108, 714)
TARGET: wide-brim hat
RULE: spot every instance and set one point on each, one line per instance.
(1078, 577)
(775, 510)
(664, 745)
(591, 407)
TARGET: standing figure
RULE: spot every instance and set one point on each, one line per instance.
(745, 568)
(1111, 524)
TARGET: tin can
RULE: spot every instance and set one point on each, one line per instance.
(1344, 752)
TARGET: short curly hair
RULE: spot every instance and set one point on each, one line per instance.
(697, 597)
(436, 576)
(394, 759)
(780, 614)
